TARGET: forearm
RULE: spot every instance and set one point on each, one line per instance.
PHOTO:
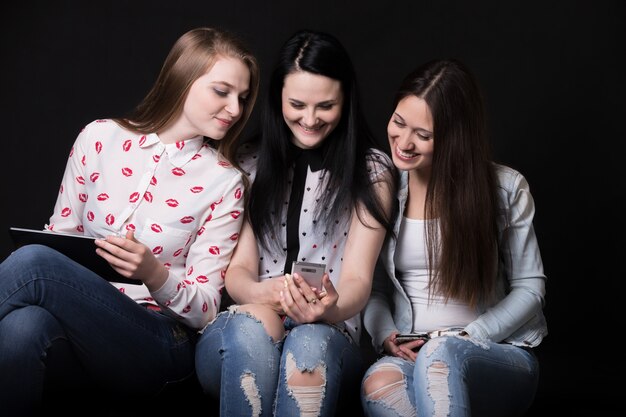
(353, 295)
(244, 287)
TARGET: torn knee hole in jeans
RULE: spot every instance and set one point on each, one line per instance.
(387, 386)
(306, 386)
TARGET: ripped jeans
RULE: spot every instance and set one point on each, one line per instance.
(453, 376)
(239, 363)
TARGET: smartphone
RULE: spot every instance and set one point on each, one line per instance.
(311, 272)
(409, 337)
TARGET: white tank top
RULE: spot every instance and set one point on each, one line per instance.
(411, 261)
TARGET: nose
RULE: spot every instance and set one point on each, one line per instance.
(309, 119)
(402, 138)
(233, 107)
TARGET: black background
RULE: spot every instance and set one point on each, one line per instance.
(553, 73)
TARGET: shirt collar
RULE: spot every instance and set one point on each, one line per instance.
(312, 157)
(178, 153)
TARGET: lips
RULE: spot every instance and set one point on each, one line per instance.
(310, 130)
(224, 122)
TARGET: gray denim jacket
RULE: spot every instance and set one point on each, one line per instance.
(517, 316)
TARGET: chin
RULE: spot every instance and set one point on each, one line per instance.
(403, 165)
(309, 143)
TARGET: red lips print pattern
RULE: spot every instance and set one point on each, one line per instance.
(182, 201)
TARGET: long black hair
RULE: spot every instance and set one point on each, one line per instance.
(345, 151)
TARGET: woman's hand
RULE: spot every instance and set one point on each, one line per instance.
(302, 303)
(273, 287)
(407, 350)
(132, 259)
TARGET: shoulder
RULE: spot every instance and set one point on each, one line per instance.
(219, 175)
(105, 129)
(377, 161)
(247, 157)
(97, 133)
(514, 192)
(219, 161)
(102, 126)
(509, 179)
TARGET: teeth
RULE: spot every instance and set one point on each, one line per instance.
(405, 154)
(308, 129)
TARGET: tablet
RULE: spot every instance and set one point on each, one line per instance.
(80, 248)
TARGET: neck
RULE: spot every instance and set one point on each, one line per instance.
(176, 132)
(418, 185)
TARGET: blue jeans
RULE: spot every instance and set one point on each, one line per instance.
(239, 363)
(455, 376)
(50, 303)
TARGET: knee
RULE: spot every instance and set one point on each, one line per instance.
(313, 376)
(444, 349)
(29, 256)
(386, 386)
(309, 350)
(270, 320)
(381, 381)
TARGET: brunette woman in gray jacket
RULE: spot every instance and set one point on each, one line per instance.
(463, 266)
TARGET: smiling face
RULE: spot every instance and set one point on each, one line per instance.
(311, 106)
(216, 99)
(410, 133)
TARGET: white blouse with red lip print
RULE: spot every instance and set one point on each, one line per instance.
(183, 202)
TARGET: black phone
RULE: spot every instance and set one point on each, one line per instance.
(409, 337)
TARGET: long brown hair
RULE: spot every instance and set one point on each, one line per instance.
(462, 192)
(193, 54)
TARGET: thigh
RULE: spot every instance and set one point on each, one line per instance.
(471, 372)
(117, 341)
(511, 371)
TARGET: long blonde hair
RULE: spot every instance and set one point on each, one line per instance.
(193, 54)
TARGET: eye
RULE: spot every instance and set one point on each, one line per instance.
(297, 106)
(325, 106)
(399, 123)
(423, 136)
(220, 93)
